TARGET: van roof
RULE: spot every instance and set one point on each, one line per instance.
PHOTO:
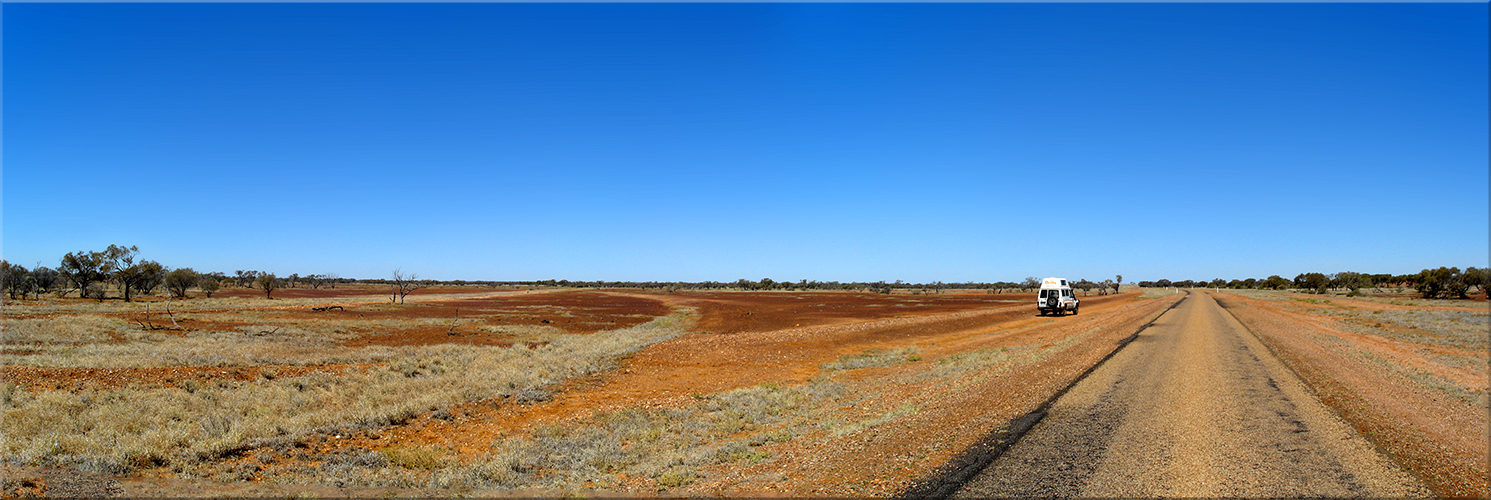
(1055, 283)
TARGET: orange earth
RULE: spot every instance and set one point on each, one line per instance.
(742, 339)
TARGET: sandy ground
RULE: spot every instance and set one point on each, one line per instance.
(743, 340)
(1377, 383)
(746, 339)
(878, 463)
(1194, 407)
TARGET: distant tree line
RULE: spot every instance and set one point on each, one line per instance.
(1444, 282)
(89, 273)
(92, 273)
(768, 284)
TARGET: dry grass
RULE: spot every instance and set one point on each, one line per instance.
(243, 347)
(48, 305)
(1453, 339)
(872, 358)
(660, 448)
(1158, 293)
(66, 329)
(117, 430)
(667, 449)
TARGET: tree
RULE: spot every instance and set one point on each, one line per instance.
(1275, 282)
(44, 277)
(82, 269)
(180, 280)
(1117, 282)
(144, 277)
(1312, 281)
(1349, 280)
(209, 284)
(151, 274)
(245, 279)
(1029, 283)
(404, 284)
(1445, 281)
(1472, 277)
(267, 282)
(15, 279)
(294, 278)
(1109, 284)
(92, 291)
(119, 262)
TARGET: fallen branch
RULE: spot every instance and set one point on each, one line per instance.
(169, 313)
(147, 324)
(453, 323)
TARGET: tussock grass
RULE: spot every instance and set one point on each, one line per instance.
(87, 328)
(1465, 330)
(292, 342)
(983, 358)
(836, 429)
(73, 306)
(206, 348)
(871, 358)
(666, 446)
(1157, 293)
(121, 429)
(522, 332)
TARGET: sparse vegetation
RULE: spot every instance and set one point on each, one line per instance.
(180, 280)
(405, 284)
(872, 357)
(268, 283)
(120, 429)
(208, 284)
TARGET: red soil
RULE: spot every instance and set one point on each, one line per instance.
(668, 374)
(744, 339)
(734, 312)
(579, 312)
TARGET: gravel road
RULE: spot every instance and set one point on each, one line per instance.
(1193, 407)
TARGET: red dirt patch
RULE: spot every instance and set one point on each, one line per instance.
(668, 374)
(580, 312)
(734, 312)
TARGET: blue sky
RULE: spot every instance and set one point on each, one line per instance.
(952, 142)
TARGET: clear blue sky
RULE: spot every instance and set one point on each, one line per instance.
(953, 142)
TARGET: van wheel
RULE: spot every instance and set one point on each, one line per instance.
(1074, 310)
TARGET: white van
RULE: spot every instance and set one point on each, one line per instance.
(1056, 297)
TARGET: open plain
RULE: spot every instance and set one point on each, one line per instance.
(623, 392)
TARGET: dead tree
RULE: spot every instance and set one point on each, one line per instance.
(405, 284)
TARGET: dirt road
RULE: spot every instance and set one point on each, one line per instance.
(1193, 407)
